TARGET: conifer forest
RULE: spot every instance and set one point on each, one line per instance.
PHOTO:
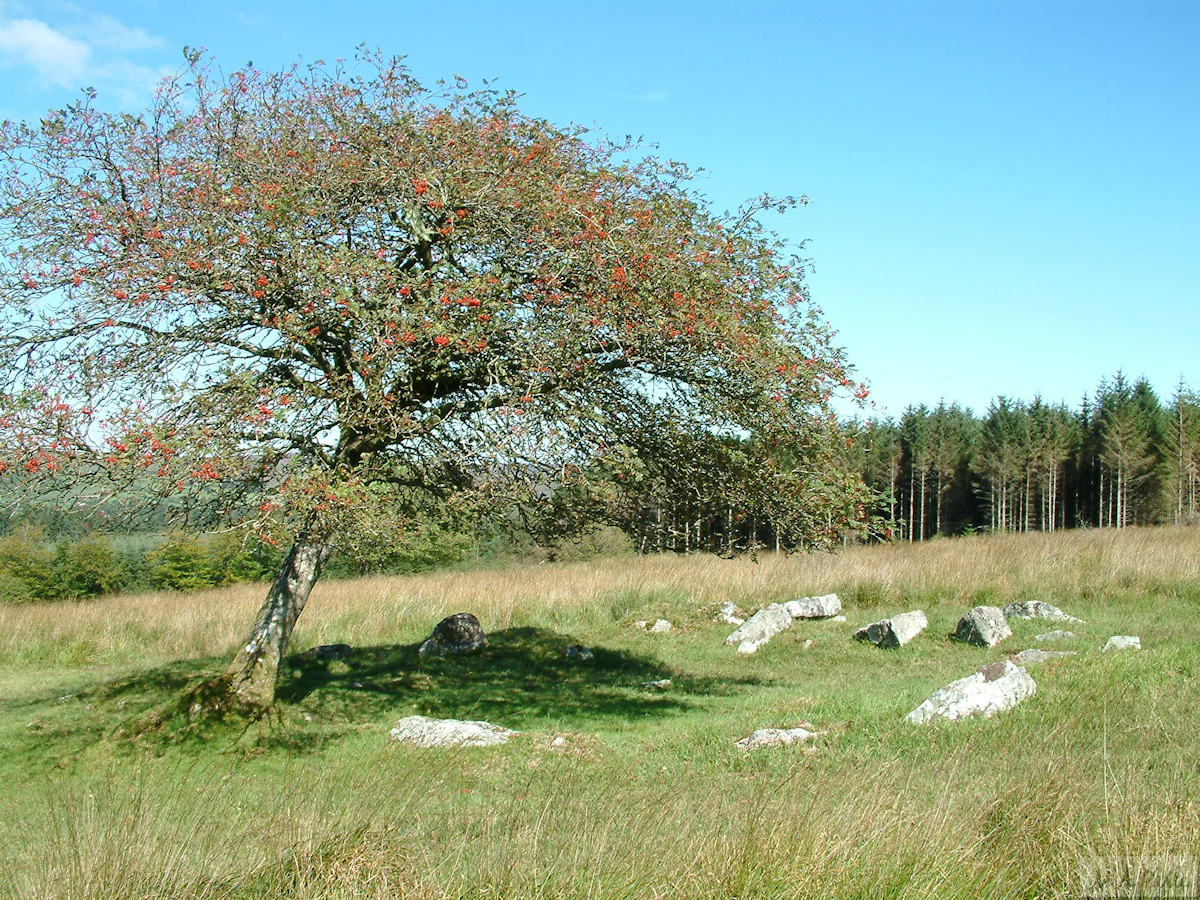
(1123, 457)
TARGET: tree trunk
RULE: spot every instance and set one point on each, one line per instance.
(252, 674)
(938, 518)
(912, 494)
(1181, 436)
(924, 504)
(1027, 500)
(894, 475)
(1122, 491)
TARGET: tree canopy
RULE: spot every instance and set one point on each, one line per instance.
(331, 301)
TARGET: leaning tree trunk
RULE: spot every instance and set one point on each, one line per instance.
(250, 678)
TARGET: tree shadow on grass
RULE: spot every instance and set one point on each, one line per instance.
(45, 729)
(522, 679)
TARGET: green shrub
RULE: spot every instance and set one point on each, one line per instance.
(236, 558)
(27, 563)
(422, 548)
(427, 549)
(14, 589)
(87, 568)
(181, 564)
(600, 542)
(137, 574)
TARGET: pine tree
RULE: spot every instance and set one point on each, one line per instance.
(1001, 461)
(1181, 454)
(915, 428)
(1053, 441)
(1126, 423)
(952, 434)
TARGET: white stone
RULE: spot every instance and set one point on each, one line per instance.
(660, 626)
(814, 607)
(775, 737)
(983, 625)
(1123, 642)
(1035, 655)
(896, 631)
(1056, 636)
(728, 614)
(1037, 609)
(660, 685)
(994, 688)
(423, 731)
(760, 628)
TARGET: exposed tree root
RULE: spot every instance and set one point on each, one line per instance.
(207, 709)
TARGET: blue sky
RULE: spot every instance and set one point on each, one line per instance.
(1005, 196)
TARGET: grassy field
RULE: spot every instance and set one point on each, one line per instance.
(613, 790)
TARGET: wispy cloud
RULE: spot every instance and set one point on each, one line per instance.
(107, 32)
(58, 59)
(66, 46)
(252, 20)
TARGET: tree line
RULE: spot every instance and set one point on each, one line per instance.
(1123, 457)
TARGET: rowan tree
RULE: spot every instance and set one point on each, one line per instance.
(333, 303)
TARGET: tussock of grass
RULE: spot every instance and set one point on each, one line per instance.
(645, 794)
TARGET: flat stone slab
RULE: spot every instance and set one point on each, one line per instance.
(760, 628)
(1037, 609)
(775, 737)
(996, 687)
(814, 607)
(1123, 642)
(1056, 636)
(422, 731)
(894, 632)
(984, 626)
(658, 626)
(1035, 655)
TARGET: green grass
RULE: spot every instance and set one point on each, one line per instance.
(613, 790)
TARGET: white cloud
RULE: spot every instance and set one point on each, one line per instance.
(107, 32)
(59, 59)
(68, 46)
(129, 83)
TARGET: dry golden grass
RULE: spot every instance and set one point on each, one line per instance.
(401, 608)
